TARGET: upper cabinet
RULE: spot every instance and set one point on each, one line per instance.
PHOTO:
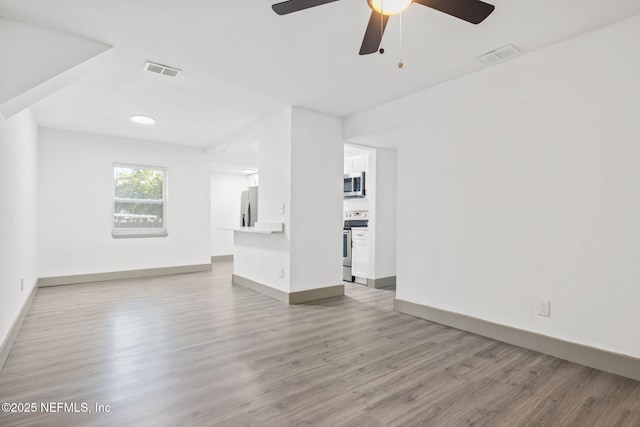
(355, 164)
(359, 163)
(253, 180)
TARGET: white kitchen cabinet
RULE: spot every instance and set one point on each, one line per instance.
(359, 164)
(348, 165)
(253, 180)
(355, 164)
(360, 255)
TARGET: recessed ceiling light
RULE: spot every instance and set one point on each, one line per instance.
(143, 120)
(249, 171)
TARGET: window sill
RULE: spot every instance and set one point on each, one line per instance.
(138, 234)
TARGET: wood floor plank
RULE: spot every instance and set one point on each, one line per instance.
(195, 350)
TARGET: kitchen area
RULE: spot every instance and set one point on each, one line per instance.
(369, 216)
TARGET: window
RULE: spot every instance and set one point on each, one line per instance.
(139, 201)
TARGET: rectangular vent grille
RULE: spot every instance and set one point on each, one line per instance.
(165, 70)
(499, 55)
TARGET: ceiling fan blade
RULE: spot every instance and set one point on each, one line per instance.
(295, 5)
(474, 11)
(373, 35)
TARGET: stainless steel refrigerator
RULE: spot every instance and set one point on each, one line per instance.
(249, 207)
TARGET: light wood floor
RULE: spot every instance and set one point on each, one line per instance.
(194, 350)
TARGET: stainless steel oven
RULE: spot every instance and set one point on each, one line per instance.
(354, 185)
(346, 256)
(351, 220)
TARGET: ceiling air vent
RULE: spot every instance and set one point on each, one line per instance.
(165, 70)
(499, 55)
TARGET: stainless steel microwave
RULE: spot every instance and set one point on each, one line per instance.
(354, 185)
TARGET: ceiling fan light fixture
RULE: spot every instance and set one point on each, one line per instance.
(472, 11)
(390, 7)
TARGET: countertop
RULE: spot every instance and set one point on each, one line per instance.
(260, 228)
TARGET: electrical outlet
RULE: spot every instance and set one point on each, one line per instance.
(282, 272)
(543, 308)
(21, 284)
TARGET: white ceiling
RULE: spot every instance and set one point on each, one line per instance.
(243, 62)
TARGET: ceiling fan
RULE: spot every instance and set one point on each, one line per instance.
(473, 11)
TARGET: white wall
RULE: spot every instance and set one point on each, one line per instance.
(226, 190)
(75, 205)
(528, 185)
(383, 215)
(317, 153)
(300, 167)
(18, 215)
(259, 257)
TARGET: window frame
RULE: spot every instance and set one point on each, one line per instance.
(120, 233)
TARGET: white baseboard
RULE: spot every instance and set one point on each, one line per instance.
(5, 348)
